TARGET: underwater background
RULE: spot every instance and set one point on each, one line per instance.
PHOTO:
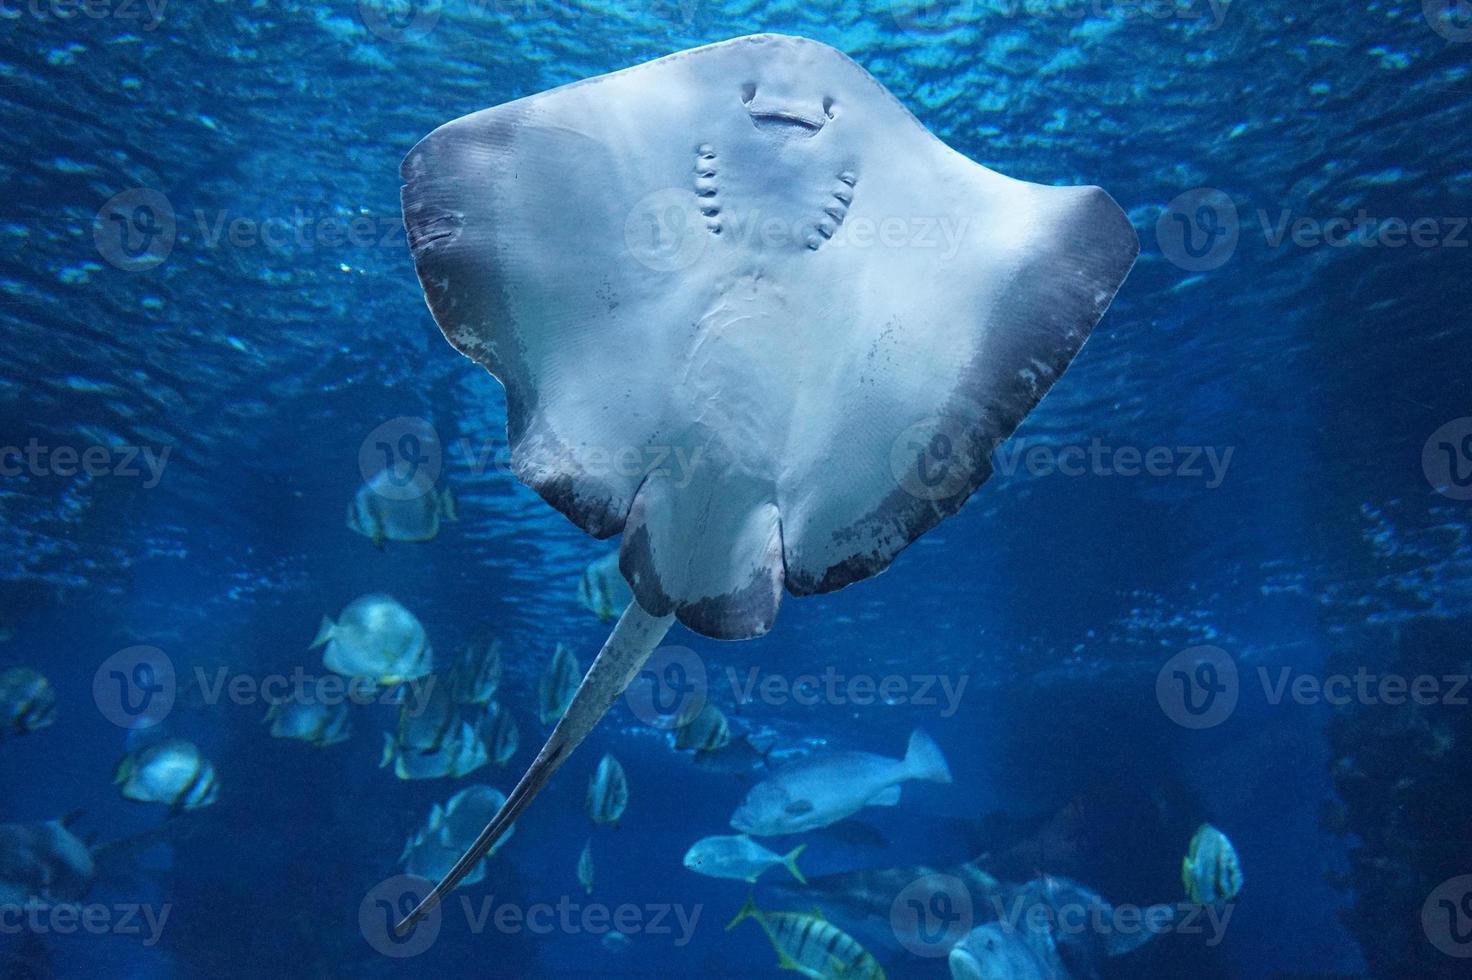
(1307, 394)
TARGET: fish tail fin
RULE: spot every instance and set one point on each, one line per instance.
(748, 911)
(791, 861)
(447, 505)
(324, 633)
(923, 759)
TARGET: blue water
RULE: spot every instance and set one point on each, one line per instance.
(261, 351)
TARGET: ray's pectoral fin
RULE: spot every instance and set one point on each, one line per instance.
(627, 648)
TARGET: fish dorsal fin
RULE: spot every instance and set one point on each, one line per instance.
(889, 796)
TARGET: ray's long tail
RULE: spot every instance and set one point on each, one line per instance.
(617, 664)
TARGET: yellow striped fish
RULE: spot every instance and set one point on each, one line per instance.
(811, 945)
(1211, 870)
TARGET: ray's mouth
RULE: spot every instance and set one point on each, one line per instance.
(784, 121)
(773, 117)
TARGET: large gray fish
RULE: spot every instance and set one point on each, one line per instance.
(872, 892)
(602, 589)
(382, 514)
(376, 637)
(1038, 932)
(27, 701)
(608, 792)
(173, 772)
(816, 792)
(557, 685)
(44, 861)
(995, 952)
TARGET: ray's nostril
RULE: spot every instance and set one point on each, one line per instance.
(748, 92)
(828, 107)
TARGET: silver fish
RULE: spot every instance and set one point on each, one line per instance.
(608, 792)
(585, 867)
(27, 701)
(602, 589)
(1211, 870)
(738, 857)
(433, 849)
(557, 685)
(503, 736)
(381, 513)
(307, 717)
(707, 732)
(476, 675)
(427, 716)
(173, 772)
(376, 637)
(462, 752)
(816, 792)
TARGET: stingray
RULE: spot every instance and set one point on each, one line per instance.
(751, 314)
